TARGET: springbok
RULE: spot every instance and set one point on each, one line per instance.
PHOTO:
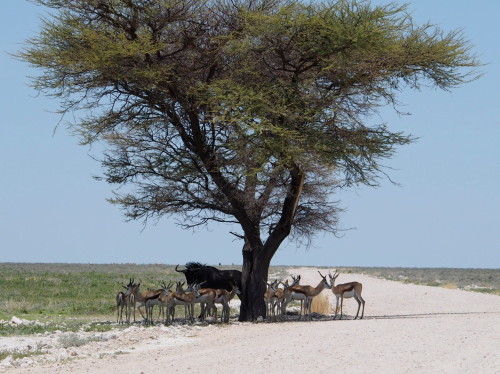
(122, 301)
(347, 290)
(224, 297)
(120, 304)
(268, 297)
(279, 296)
(306, 293)
(182, 298)
(206, 299)
(144, 298)
(162, 299)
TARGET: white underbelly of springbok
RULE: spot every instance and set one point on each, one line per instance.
(298, 296)
(348, 294)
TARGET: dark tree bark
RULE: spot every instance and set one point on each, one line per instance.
(257, 257)
(255, 271)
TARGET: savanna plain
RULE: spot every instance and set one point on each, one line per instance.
(61, 318)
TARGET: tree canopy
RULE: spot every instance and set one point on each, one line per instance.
(240, 111)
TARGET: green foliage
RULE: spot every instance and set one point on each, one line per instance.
(279, 82)
(36, 290)
(7, 330)
(18, 355)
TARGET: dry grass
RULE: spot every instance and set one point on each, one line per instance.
(10, 306)
(321, 304)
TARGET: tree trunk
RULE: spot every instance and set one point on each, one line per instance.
(257, 256)
(255, 271)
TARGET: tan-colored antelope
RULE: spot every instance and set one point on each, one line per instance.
(120, 304)
(306, 293)
(122, 301)
(143, 298)
(182, 298)
(288, 296)
(224, 297)
(125, 300)
(279, 296)
(155, 300)
(278, 300)
(162, 299)
(347, 290)
(206, 299)
(268, 297)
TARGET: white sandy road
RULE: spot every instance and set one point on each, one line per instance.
(407, 329)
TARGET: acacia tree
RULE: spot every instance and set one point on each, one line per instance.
(249, 112)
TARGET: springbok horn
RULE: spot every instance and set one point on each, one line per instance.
(322, 276)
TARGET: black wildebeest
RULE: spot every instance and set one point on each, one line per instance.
(212, 277)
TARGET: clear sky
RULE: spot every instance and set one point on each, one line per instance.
(444, 213)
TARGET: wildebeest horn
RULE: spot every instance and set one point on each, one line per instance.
(180, 271)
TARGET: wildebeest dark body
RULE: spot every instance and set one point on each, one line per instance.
(212, 277)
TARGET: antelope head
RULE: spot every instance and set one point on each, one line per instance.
(296, 280)
(333, 277)
(166, 287)
(273, 286)
(179, 286)
(285, 284)
(195, 288)
(325, 281)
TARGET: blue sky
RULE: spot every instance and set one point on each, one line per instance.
(444, 213)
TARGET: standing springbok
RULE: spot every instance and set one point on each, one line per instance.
(162, 299)
(306, 293)
(206, 299)
(268, 297)
(122, 301)
(145, 299)
(279, 302)
(347, 290)
(182, 298)
(224, 297)
(120, 304)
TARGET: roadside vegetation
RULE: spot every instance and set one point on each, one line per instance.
(81, 297)
(477, 280)
(69, 297)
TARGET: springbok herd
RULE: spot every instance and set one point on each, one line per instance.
(276, 299)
